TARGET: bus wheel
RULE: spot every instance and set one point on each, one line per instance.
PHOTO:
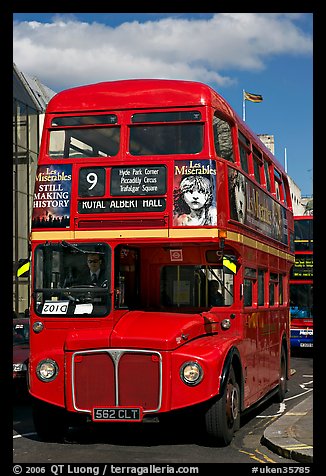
(50, 422)
(282, 386)
(222, 418)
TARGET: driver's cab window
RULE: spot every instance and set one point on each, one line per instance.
(72, 278)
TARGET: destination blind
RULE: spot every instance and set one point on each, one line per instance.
(122, 205)
(303, 267)
(132, 182)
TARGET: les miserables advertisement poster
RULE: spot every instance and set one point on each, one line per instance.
(51, 204)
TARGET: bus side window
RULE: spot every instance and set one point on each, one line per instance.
(244, 151)
(261, 287)
(258, 164)
(249, 283)
(267, 177)
(223, 139)
(280, 290)
(279, 191)
(273, 283)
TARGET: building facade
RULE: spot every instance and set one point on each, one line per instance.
(29, 101)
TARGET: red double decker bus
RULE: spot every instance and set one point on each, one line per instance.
(301, 285)
(161, 254)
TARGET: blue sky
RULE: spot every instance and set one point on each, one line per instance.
(263, 53)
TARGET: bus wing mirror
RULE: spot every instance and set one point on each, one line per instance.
(230, 264)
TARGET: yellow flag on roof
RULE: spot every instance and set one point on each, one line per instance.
(252, 97)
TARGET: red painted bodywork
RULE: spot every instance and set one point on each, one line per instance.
(255, 335)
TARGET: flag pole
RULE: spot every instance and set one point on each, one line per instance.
(243, 106)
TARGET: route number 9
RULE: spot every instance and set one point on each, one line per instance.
(91, 182)
(92, 179)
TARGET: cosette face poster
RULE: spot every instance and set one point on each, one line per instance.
(194, 187)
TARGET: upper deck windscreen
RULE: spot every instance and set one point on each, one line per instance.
(172, 137)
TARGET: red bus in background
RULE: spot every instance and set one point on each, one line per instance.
(161, 251)
(301, 284)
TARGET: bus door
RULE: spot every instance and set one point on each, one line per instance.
(126, 277)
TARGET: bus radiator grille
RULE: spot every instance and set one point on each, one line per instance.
(108, 378)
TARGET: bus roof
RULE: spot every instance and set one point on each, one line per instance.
(147, 93)
(136, 93)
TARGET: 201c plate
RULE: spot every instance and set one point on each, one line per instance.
(117, 414)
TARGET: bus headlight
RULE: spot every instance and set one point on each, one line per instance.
(226, 324)
(38, 327)
(47, 370)
(191, 373)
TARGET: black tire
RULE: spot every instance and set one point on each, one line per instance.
(222, 418)
(282, 385)
(50, 422)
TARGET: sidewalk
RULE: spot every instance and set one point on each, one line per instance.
(291, 435)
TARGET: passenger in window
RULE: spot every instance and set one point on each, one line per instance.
(215, 297)
(193, 202)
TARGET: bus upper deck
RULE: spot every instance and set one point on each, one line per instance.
(126, 159)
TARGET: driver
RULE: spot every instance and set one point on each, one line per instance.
(95, 274)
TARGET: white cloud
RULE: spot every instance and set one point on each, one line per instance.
(68, 53)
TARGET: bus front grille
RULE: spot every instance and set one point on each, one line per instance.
(116, 377)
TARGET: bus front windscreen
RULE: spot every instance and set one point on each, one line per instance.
(72, 280)
(301, 300)
(166, 139)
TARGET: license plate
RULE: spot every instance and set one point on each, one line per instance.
(117, 414)
(306, 344)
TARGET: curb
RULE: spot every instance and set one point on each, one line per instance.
(281, 436)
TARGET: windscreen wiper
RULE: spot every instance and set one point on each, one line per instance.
(65, 244)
